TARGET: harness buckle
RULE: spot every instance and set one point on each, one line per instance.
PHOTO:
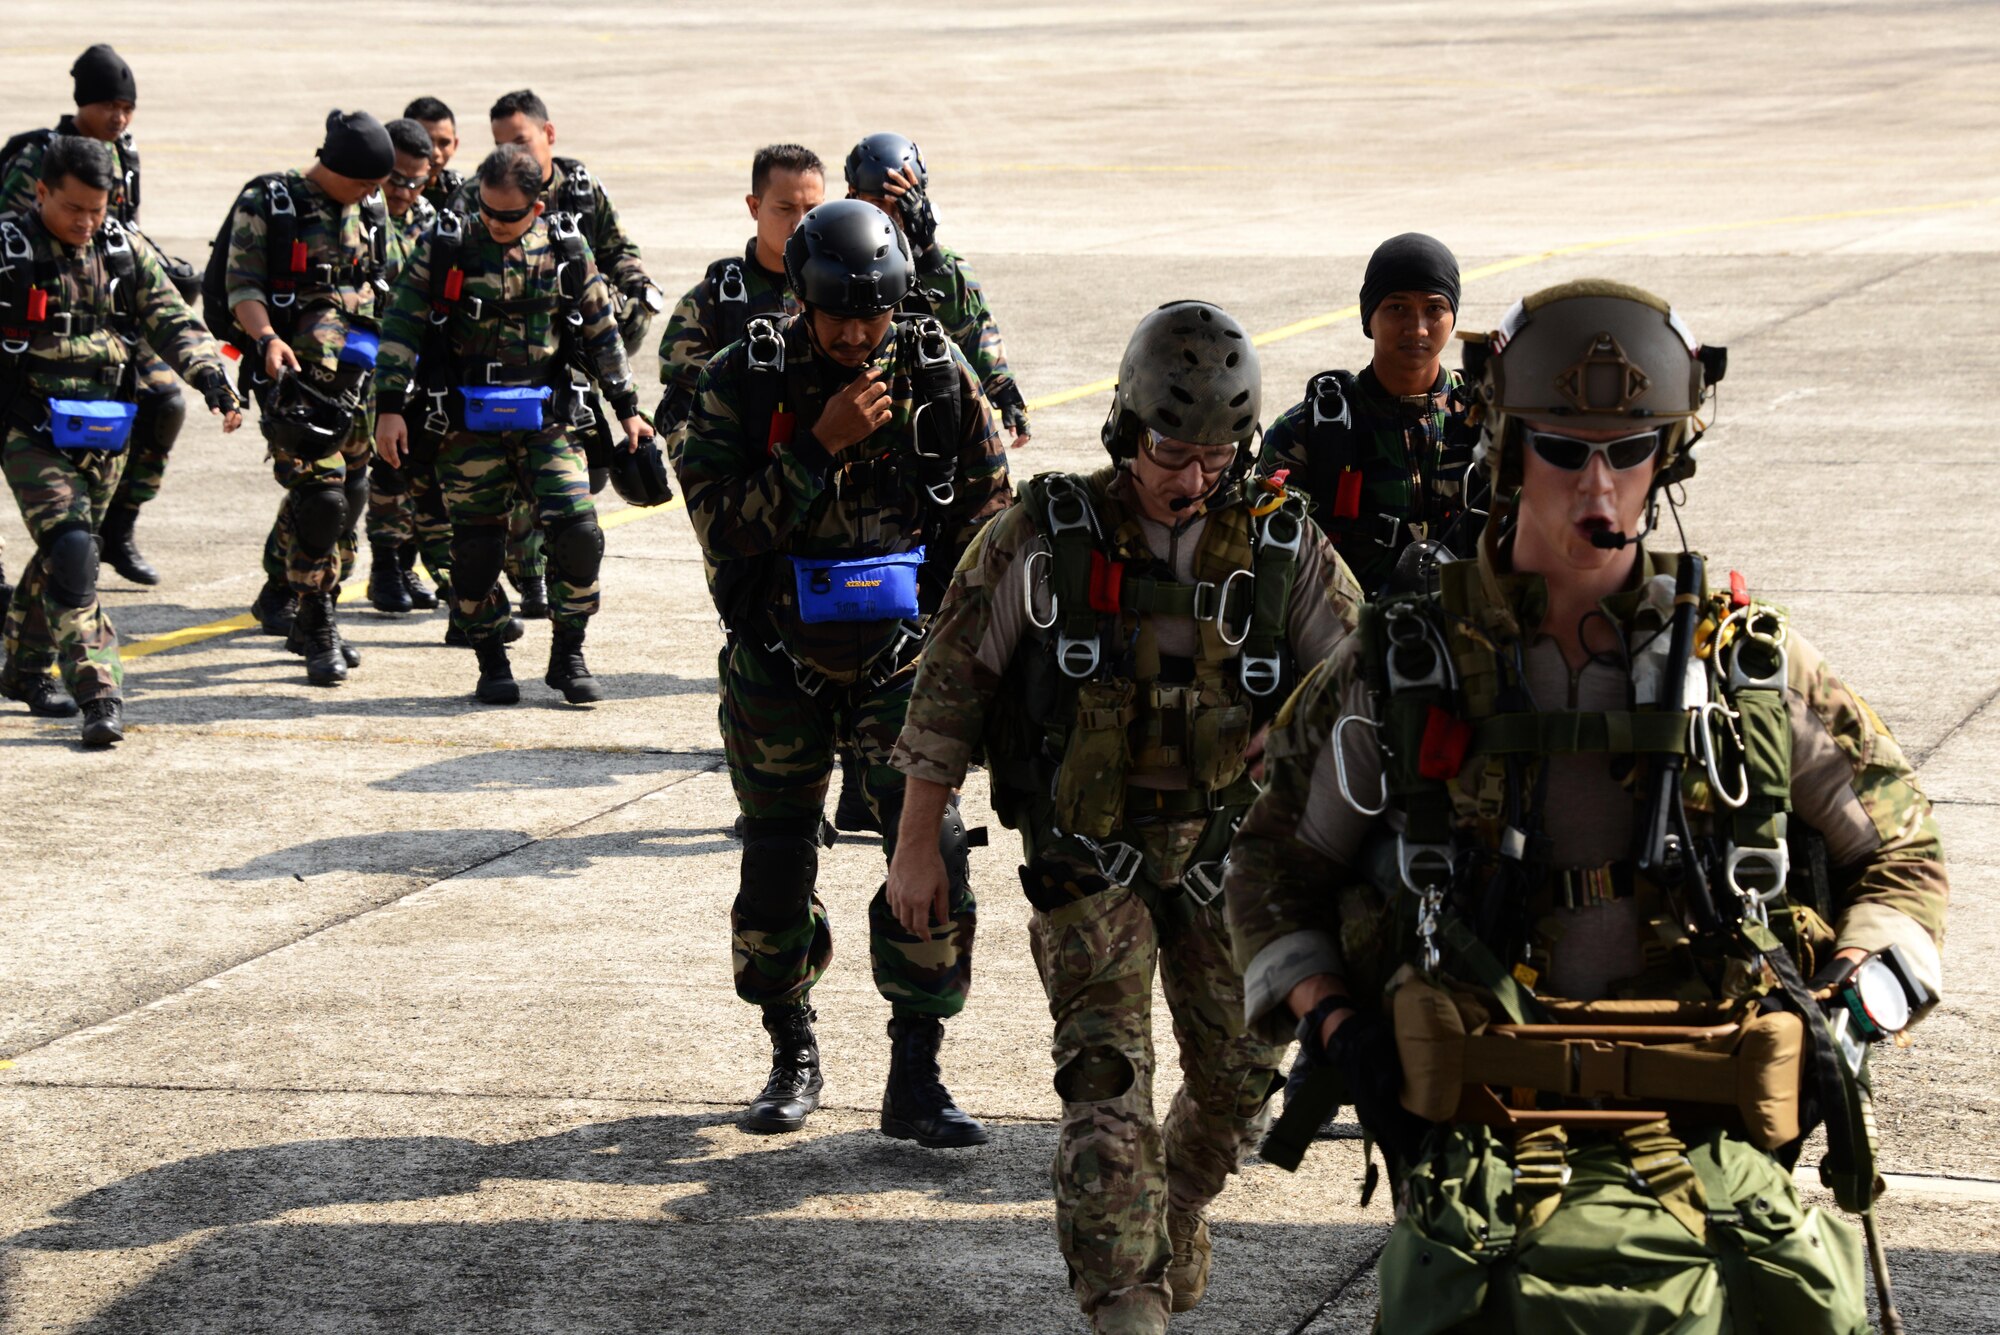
(285, 299)
(13, 347)
(1080, 515)
(1078, 658)
(1326, 387)
(1766, 631)
(1426, 871)
(1412, 634)
(1259, 674)
(1772, 865)
(1116, 863)
(1203, 881)
(1272, 536)
(731, 287)
(763, 347)
(67, 320)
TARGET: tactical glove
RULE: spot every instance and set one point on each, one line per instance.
(215, 391)
(1012, 407)
(642, 300)
(919, 218)
(1363, 1051)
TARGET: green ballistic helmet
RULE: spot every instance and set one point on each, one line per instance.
(1592, 354)
(1190, 373)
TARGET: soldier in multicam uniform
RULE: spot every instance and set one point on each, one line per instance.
(1385, 454)
(499, 367)
(1487, 808)
(1113, 644)
(787, 181)
(77, 297)
(836, 464)
(442, 183)
(306, 310)
(106, 100)
(406, 516)
(521, 119)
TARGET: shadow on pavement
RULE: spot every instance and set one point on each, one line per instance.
(538, 767)
(471, 853)
(771, 1235)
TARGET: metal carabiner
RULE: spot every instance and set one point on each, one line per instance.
(1028, 590)
(1701, 745)
(1116, 863)
(1340, 765)
(1221, 619)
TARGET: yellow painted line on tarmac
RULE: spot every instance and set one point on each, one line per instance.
(633, 514)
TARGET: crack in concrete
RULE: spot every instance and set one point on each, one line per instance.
(345, 918)
(1923, 757)
(1366, 1264)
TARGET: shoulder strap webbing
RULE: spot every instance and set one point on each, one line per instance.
(284, 254)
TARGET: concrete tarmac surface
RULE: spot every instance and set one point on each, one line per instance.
(373, 1010)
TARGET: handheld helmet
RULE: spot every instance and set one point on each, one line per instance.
(1593, 354)
(1191, 373)
(847, 259)
(640, 476)
(870, 162)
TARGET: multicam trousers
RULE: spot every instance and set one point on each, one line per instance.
(1116, 1170)
(57, 490)
(780, 742)
(481, 476)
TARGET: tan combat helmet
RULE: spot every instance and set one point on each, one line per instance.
(1190, 373)
(1592, 353)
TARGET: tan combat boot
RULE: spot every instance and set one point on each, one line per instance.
(1140, 1311)
(1187, 1273)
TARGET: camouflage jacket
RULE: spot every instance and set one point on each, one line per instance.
(700, 326)
(87, 362)
(617, 253)
(443, 189)
(507, 315)
(982, 624)
(1299, 897)
(1405, 460)
(947, 289)
(17, 188)
(333, 235)
(404, 233)
(751, 500)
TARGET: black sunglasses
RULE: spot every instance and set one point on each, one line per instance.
(1573, 455)
(408, 182)
(505, 215)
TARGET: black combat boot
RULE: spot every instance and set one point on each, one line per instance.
(119, 549)
(851, 813)
(387, 591)
(916, 1105)
(276, 608)
(316, 637)
(792, 1092)
(41, 693)
(534, 597)
(567, 672)
(496, 675)
(422, 597)
(103, 721)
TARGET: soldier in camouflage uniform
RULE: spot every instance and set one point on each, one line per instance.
(106, 101)
(1112, 644)
(309, 316)
(506, 284)
(521, 119)
(406, 515)
(1432, 758)
(836, 464)
(887, 170)
(77, 296)
(442, 184)
(1385, 454)
(787, 181)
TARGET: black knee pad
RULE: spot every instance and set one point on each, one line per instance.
(1095, 1075)
(780, 865)
(70, 556)
(477, 554)
(955, 842)
(160, 419)
(319, 512)
(355, 486)
(576, 550)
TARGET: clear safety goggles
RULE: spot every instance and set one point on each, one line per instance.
(1573, 455)
(1174, 455)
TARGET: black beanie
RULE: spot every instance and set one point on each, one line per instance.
(102, 75)
(1411, 262)
(357, 146)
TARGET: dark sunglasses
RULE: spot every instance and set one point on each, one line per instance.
(505, 215)
(1573, 455)
(408, 182)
